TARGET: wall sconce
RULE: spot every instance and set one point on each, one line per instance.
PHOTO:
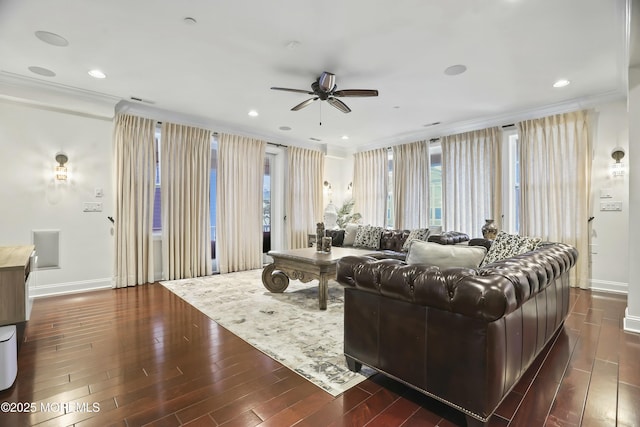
(61, 169)
(350, 186)
(617, 169)
(327, 185)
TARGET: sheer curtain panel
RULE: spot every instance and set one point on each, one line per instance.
(555, 170)
(371, 185)
(304, 196)
(471, 180)
(135, 164)
(239, 203)
(185, 168)
(411, 185)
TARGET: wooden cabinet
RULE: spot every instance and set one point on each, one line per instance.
(16, 263)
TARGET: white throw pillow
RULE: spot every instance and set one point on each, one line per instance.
(445, 256)
(350, 231)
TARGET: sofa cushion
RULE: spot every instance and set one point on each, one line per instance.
(337, 237)
(368, 236)
(507, 245)
(415, 234)
(445, 256)
(350, 231)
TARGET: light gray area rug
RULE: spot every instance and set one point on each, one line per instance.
(288, 327)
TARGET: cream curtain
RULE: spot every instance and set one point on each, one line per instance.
(239, 203)
(411, 185)
(185, 168)
(555, 170)
(371, 185)
(304, 195)
(471, 180)
(135, 164)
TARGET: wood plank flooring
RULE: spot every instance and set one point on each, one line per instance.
(142, 356)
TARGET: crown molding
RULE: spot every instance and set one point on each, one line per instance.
(162, 115)
(33, 91)
(499, 120)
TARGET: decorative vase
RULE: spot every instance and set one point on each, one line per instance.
(330, 217)
(326, 244)
(319, 236)
(489, 229)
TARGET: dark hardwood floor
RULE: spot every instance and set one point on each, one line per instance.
(142, 356)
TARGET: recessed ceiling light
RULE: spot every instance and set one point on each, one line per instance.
(345, 136)
(190, 21)
(561, 83)
(253, 113)
(396, 106)
(431, 124)
(97, 74)
(42, 71)
(315, 139)
(284, 128)
(51, 38)
(454, 70)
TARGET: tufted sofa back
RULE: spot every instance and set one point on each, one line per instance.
(486, 293)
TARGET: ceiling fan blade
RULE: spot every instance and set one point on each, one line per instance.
(293, 90)
(356, 92)
(304, 104)
(339, 105)
(327, 81)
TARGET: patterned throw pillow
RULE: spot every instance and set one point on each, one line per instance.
(507, 245)
(415, 234)
(368, 237)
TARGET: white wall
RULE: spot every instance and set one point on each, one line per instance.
(632, 314)
(30, 137)
(610, 230)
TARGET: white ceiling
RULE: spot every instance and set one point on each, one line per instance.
(220, 68)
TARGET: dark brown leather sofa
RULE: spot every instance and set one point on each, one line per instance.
(462, 336)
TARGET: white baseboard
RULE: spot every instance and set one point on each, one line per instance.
(631, 323)
(608, 286)
(69, 287)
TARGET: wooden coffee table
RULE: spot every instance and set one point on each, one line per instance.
(305, 264)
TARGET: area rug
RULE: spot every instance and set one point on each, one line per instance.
(288, 327)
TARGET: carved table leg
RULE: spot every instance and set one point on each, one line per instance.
(323, 291)
(274, 280)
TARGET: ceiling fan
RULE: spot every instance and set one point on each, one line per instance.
(325, 89)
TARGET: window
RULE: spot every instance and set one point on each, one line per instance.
(266, 203)
(511, 182)
(157, 218)
(212, 194)
(390, 209)
(435, 185)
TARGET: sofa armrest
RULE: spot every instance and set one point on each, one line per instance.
(449, 238)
